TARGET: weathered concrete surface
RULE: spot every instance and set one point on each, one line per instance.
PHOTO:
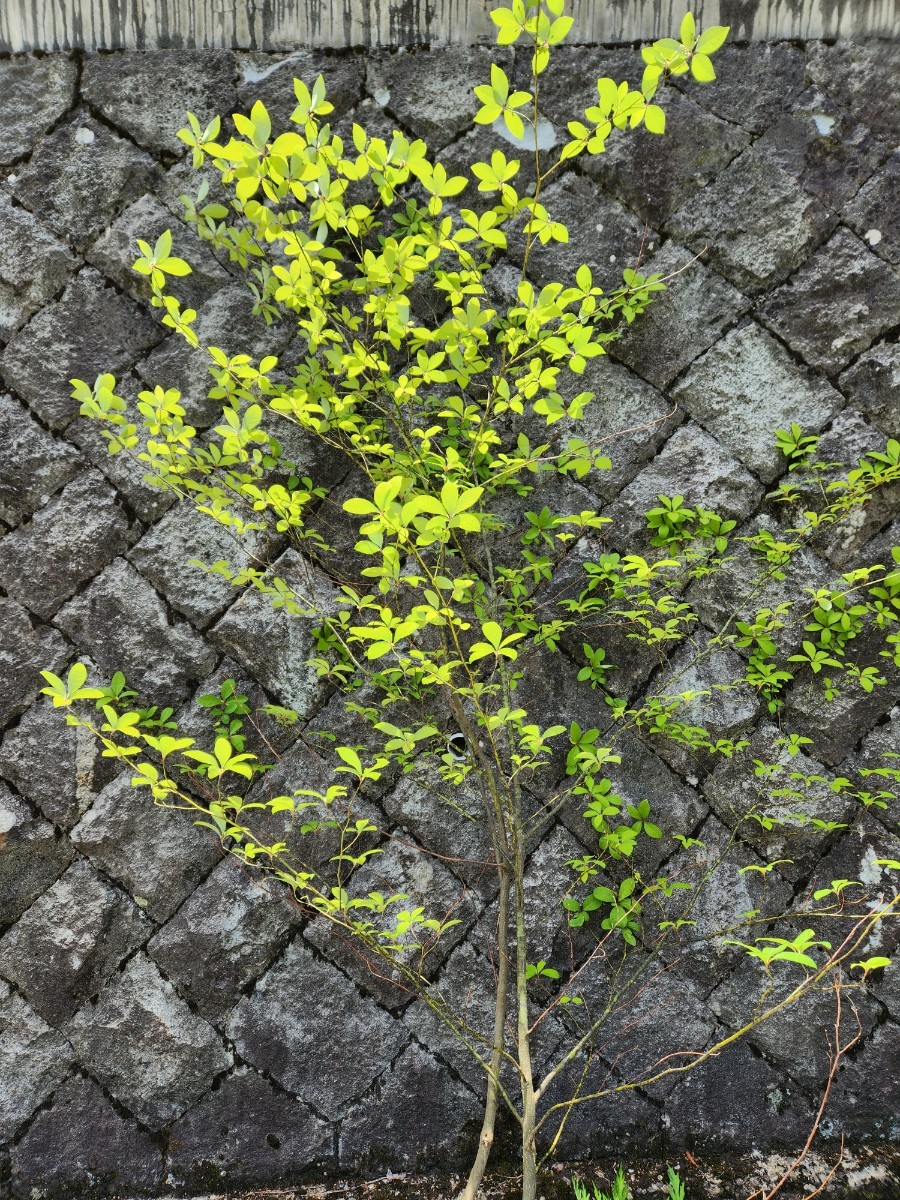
(285, 24)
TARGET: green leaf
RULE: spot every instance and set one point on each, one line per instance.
(688, 31)
(702, 69)
(655, 119)
(711, 39)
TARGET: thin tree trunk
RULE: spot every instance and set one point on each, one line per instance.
(486, 1139)
(529, 1099)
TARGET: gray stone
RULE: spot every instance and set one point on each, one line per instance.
(872, 756)
(406, 869)
(70, 941)
(449, 820)
(745, 388)
(224, 936)
(746, 584)
(36, 92)
(59, 768)
(81, 176)
(602, 234)
(854, 72)
(798, 1039)
(226, 320)
(872, 385)
(726, 1103)
(431, 93)
(754, 84)
(143, 1043)
(263, 1137)
(32, 855)
(33, 1059)
(823, 147)
(34, 464)
(148, 96)
(78, 533)
(164, 556)
(865, 1099)
(716, 905)
(681, 322)
(275, 645)
(26, 649)
(755, 221)
(735, 792)
(270, 79)
(81, 1142)
(115, 251)
(570, 86)
(419, 1116)
(157, 854)
(829, 326)
(675, 806)
(691, 464)
(873, 215)
(23, 243)
(60, 343)
(328, 1049)
(617, 1121)
(655, 175)
(123, 624)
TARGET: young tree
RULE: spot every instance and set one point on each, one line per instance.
(465, 592)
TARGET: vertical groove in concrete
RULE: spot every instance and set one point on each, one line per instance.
(283, 24)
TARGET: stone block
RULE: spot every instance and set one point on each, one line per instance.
(755, 221)
(865, 1099)
(270, 79)
(59, 768)
(854, 73)
(602, 234)
(34, 464)
(681, 322)
(32, 855)
(449, 820)
(263, 1138)
(718, 900)
(226, 320)
(872, 385)
(653, 175)
(420, 1116)
(164, 556)
(81, 176)
(90, 330)
(605, 1127)
(36, 92)
(66, 543)
(23, 243)
(116, 249)
(328, 1050)
(404, 868)
(274, 645)
(726, 1104)
(430, 93)
(142, 1043)
(26, 649)
(691, 464)
(571, 85)
(829, 325)
(734, 791)
(34, 1059)
(224, 936)
(823, 147)
(873, 213)
(157, 854)
(755, 83)
(70, 941)
(747, 386)
(872, 755)
(798, 1039)
(82, 1143)
(123, 624)
(147, 95)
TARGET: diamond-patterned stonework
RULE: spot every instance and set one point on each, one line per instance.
(165, 1020)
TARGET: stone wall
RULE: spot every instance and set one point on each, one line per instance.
(164, 1022)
